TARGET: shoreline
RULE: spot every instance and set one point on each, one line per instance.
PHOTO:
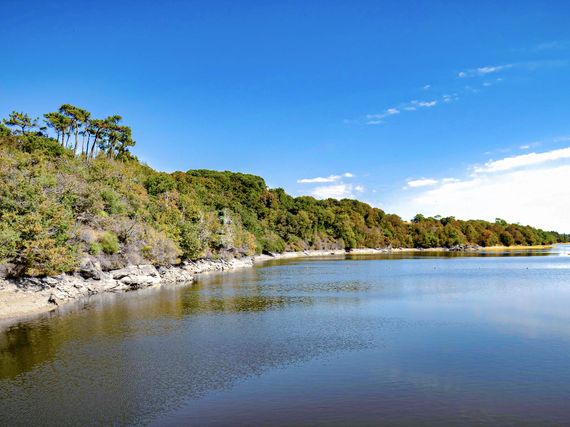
(30, 296)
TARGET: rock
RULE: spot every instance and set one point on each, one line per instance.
(137, 276)
(90, 269)
(175, 274)
(464, 248)
(51, 281)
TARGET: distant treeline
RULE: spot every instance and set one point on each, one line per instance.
(71, 190)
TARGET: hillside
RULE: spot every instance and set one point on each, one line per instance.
(81, 193)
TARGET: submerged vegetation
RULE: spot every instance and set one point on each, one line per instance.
(72, 190)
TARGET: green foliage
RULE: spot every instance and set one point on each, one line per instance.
(109, 243)
(21, 121)
(159, 183)
(95, 248)
(191, 243)
(35, 144)
(4, 131)
(112, 201)
(506, 238)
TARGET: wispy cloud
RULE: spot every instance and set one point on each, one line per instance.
(388, 112)
(483, 71)
(552, 45)
(523, 160)
(377, 119)
(425, 104)
(321, 179)
(476, 79)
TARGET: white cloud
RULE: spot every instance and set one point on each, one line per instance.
(427, 104)
(483, 71)
(321, 179)
(426, 87)
(524, 147)
(447, 180)
(337, 191)
(423, 182)
(376, 119)
(531, 189)
(523, 160)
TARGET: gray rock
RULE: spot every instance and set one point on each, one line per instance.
(175, 274)
(90, 269)
(137, 276)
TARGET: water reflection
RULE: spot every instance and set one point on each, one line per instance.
(441, 339)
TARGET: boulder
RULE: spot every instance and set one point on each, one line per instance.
(175, 274)
(137, 276)
(90, 269)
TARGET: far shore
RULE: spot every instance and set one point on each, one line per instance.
(18, 299)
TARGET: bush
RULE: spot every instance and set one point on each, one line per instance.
(271, 242)
(190, 241)
(112, 201)
(109, 243)
(95, 248)
(48, 146)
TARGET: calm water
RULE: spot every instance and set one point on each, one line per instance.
(358, 341)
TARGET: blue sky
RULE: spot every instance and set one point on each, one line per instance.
(405, 105)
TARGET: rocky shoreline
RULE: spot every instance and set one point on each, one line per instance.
(31, 295)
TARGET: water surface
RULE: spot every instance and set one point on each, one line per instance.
(441, 340)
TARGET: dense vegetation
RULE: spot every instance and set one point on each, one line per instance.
(73, 190)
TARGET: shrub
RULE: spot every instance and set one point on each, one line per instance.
(190, 241)
(95, 248)
(109, 243)
(112, 201)
(48, 146)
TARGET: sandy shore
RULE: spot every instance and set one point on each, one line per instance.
(24, 298)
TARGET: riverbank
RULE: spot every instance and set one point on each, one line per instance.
(31, 295)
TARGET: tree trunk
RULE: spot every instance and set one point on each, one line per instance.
(93, 146)
(76, 132)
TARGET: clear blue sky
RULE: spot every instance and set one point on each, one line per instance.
(390, 92)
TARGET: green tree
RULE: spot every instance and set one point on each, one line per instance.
(4, 131)
(22, 121)
(78, 118)
(59, 123)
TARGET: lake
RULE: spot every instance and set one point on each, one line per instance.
(436, 339)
